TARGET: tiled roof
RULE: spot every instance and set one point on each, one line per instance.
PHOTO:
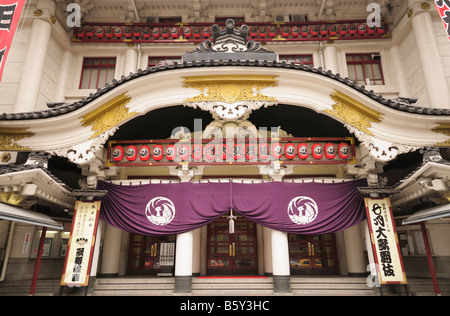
(61, 110)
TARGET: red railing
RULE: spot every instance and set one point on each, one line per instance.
(198, 32)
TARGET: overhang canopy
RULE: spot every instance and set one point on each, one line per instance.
(17, 214)
(429, 214)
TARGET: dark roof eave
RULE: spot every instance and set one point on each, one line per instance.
(393, 104)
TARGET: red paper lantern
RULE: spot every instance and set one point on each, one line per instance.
(285, 30)
(262, 31)
(324, 30)
(109, 32)
(362, 29)
(174, 32)
(330, 151)
(352, 29)
(252, 31)
(333, 30)
(344, 150)
(171, 152)
(137, 32)
(314, 30)
(99, 32)
(118, 32)
(210, 152)
(146, 32)
(304, 31)
(144, 153)
(183, 152)
(81, 32)
(272, 31)
(295, 31)
(206, 32)
(197, 152)
(187, 32)
(127, 32)
(90, 32)
(224, 151)
(238, 151)
(343, 30)
(317, 151)
(302, 150)
(289, 151)
(250, 152)
(156, 32)
(132, 153)
(117, 153)
(157, 152)
(371, 30)
(196, 32)
(264, 152)
(165, 32)
(382, 29)
(277, 150)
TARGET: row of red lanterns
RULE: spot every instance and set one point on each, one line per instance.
(197, 32)
(213, 152)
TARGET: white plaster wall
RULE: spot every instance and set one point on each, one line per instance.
(443, 44)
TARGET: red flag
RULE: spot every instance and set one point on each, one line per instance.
(443, 7)
(10, 11)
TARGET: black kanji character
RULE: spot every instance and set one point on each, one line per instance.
(6, 16)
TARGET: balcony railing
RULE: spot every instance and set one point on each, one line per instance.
(199, 32)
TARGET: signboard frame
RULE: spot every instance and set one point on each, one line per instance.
(379, 214)
(81, 243)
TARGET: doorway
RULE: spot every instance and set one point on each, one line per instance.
(313, 254)
(232, 253)
(150, 255)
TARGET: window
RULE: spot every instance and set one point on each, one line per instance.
(298, 59)
(160, 61)
(97, 72)
(365, 69)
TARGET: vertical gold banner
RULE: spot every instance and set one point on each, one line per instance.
(81, 244)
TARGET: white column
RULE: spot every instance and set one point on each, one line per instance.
(183, 262)
(433, 70)
(34, 63)
(111, 252)
(130, 62)
(394, 53)
(354, 251)
(280, 262)
(330, 59)
(66, 64)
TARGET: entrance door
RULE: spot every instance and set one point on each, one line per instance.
(144, 257)
(232, 254)
(313, 254)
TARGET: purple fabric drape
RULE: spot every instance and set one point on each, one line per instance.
(298, 208)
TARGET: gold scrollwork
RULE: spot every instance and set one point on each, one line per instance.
(9, 137)
(443, 128)
(230, 88)
(354, 112)
(108, 115)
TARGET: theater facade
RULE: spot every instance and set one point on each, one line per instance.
(205, 144)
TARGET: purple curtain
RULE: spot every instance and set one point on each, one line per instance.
(298, 208)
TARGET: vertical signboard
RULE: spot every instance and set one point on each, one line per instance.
(443, 7)
(10, 11)
(81, 244)
(385, 243)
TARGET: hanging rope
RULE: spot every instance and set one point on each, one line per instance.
(231, 218)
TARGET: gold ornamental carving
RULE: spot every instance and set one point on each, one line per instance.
(108, 115)
(230, 88)
(9, 137)
(354, 112)
(443, 128)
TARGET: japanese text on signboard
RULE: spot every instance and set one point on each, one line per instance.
(384, 241)
(443, 7)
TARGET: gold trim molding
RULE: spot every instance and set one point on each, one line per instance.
(443, 128)
(108, 115)
(9, 137)
(354, 112)
(230, 88)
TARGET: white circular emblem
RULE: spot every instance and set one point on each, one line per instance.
(160, 211)
(302, 210)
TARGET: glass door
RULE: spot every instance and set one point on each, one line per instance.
(313, 254)
(232, 254)
(144, 256)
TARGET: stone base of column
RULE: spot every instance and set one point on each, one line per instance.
(183, 284)
(282, 284)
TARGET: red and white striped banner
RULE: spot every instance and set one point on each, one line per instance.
(443, 7)
(10, 11)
